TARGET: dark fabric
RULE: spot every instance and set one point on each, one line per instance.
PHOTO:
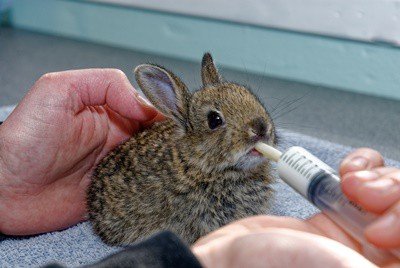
(162, 250)
(1, 122)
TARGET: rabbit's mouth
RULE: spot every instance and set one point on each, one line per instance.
(254, 152)
(250, 159)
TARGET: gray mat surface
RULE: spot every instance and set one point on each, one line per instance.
(77, 245)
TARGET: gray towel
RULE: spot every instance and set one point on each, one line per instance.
(77, 245)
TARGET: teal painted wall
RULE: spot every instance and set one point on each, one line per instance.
(355, 66)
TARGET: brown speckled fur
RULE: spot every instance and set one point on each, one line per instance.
(179, 174)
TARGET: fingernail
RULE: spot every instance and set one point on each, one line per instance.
(385, 186)
(358, 162)
(354, 180)
(365, 175)
(383, 223)
(143, 101)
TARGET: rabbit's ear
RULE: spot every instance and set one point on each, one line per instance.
(166, 91)
(209, 73)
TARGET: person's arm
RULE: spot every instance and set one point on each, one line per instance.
(161, 250)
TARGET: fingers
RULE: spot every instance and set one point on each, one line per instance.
(331, 230)
(385, 231)
(277, 247)
(361, 159)
(282, 247)
(376, 190)
(94, 87)
(255, 224)
(319, 224)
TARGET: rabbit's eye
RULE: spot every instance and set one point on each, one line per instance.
(214, 119)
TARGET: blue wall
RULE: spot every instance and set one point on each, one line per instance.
(354, 66)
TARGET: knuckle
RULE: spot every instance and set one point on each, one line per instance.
(118, 74)
(49, 78)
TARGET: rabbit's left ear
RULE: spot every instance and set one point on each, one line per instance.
(209, 72)
(166, 91)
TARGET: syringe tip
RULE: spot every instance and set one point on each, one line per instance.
(268, 151)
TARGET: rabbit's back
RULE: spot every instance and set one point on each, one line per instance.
(127, 189)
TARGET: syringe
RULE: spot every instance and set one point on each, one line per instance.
(320, 184)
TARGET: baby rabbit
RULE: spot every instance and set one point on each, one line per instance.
(193, 172)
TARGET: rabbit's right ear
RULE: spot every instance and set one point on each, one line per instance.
(166, 91)
(209, 72)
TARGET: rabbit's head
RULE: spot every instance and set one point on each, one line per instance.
(219, 124)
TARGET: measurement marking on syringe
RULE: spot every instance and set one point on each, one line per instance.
(295, 162)
(308, 172)
(302, 171)
(289, 159)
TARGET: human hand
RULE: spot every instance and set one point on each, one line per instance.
(376, 188)
(49, 144)
(266, 241)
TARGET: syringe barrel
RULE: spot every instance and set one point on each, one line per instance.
(319, 183)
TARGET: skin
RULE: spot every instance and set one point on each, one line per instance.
(317, 240)
(65, 124)
(68, 121)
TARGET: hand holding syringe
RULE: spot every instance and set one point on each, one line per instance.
(319, 183)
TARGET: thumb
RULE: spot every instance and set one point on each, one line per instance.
(361, 159)
(94, 87)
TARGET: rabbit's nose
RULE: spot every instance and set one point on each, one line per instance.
(258, 128)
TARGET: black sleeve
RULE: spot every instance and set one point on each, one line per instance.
(162, 250)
